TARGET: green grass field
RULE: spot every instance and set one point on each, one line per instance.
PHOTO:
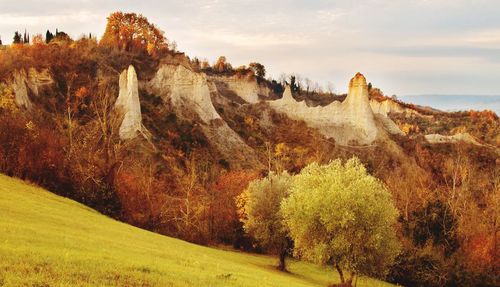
(48, 240)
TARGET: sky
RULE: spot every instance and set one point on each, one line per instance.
(405, 47)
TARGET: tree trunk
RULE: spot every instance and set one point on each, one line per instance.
(342, 279)
(351, 278)
(282, 265)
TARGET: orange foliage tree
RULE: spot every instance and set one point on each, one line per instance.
(223, 220)
(132, 32)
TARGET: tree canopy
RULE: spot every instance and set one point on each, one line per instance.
(258, 69)
(261, 216)
(339, 214)
(131, 31)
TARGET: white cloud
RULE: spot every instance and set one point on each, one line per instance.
(44, 20)
(405, 47)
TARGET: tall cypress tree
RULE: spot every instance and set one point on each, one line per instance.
(48, 36)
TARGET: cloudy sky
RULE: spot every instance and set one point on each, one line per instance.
(406, 47)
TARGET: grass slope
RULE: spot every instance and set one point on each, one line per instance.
(47, 240)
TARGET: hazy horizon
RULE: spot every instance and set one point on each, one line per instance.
(452, 103)
(413, 47)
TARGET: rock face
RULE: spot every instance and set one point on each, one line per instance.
(460, 137)
(23, 82)
(248, 89)
(20, 89)
(129, 105)
(348, 122)
(385, 107)
(190, 93)
(186, 89)
(389, 106)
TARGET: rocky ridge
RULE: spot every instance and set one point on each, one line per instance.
(190, 94)
(248, 89)
(348, 122)
(460, 137)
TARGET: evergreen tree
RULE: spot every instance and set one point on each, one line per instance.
(17, 38)
(48, 36)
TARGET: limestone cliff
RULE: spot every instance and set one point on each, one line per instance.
(18, 84)
(22, 82)
(350, 121)
(460, 137)
(186, 90)
(129, 105)
(388, 106)
(246, 88)
(190, 94)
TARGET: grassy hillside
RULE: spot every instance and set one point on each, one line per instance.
(47, 240)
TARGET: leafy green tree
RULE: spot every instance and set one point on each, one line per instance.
(338, 214)
(260, 213)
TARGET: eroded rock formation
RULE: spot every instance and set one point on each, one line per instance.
(460, 137)
(129, 105)
(348, 122)
(22, 82)
(388, 106)
(186, 90)
(190, 94)
(248, 89)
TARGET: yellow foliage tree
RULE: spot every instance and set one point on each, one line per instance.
(7, 99)
(131, 32)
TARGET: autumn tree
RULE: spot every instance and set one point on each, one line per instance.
(37, 39)
(258, 69)
(340, 215)
(132, 32)
(7, 99)
(261, 216)
(222, 65)
(222, 213)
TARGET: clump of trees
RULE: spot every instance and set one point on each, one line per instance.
(133, 32)
(258, 69)
(336, 214)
